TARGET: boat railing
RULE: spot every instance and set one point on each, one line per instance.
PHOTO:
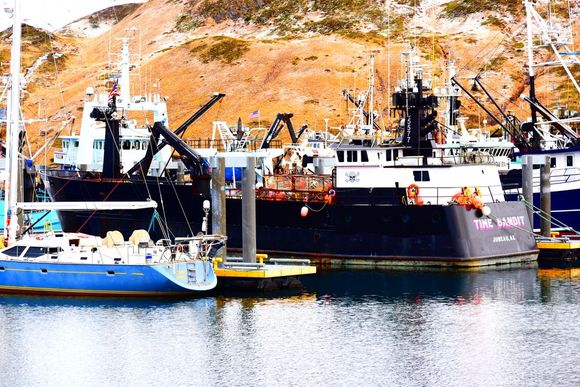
(230, 145)
(452, 195)
(474, 157)
(299, 187)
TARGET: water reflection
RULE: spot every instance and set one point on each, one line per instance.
(486, 327)
(514, 284)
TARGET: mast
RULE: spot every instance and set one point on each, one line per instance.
(371, 92)
(531, 73)
(13, 129)
(124, 82)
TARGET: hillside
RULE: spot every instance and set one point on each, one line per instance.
(288, 56)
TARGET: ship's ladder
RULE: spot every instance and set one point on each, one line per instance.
(191, 273)
(225, 134)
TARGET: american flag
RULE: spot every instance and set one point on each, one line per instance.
(255, 114)
(114, 91)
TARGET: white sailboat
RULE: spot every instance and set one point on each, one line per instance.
(81, 264)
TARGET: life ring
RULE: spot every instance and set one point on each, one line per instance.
(412, 191)
(413, 195)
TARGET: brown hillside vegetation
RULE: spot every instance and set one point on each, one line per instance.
(285, 56)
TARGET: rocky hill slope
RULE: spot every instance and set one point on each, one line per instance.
(285, 56)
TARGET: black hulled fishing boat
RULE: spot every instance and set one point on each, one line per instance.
(383, 203)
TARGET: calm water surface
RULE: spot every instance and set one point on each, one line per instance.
(357, 328)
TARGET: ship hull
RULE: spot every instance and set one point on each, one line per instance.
(341, 233)
(160, 280)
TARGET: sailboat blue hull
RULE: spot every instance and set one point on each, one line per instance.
(171, 279)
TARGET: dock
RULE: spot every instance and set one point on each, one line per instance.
(265, 274)
(559, 251)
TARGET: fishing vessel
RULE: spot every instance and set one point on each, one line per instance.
(546, 134)
(81, 264)
(384, 203)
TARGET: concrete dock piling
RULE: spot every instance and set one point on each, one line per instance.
(249, 211)
(545, 197)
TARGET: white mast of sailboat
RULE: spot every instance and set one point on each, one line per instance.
(13, 127)
(13, 130)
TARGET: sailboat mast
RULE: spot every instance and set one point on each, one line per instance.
(372, 92)
(13, 128)
(531, 72)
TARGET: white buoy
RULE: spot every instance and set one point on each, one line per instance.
(485, 210)
(304, 211)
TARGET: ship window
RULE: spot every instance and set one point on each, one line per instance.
(352, 156)
(553, 162)
(76, 144)
(421, 175)
(570, 161)
(126, 145)
(137, 145)
(340, 155)
(35, 252)
(15, 251)
(364, 157)
(144, 145)
(64, 144)
(389, 155)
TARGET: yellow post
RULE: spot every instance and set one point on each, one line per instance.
(261, 257)
(216, 261)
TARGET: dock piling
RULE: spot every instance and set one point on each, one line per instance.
(528, 185)
(545, 198)
(218, 196)
(249, 210)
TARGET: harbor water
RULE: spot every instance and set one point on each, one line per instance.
(516, 326)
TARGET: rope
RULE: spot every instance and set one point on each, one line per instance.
(544, 215)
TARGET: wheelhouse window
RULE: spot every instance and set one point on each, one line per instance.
(340, 155)
(364, 157)
(421, 175)
(570, 161)
(553, 162)
(389, 154)
(352, 156)
(126, 145)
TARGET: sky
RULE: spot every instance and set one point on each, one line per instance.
(54, 14)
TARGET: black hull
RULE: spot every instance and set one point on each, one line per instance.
(338, 233)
